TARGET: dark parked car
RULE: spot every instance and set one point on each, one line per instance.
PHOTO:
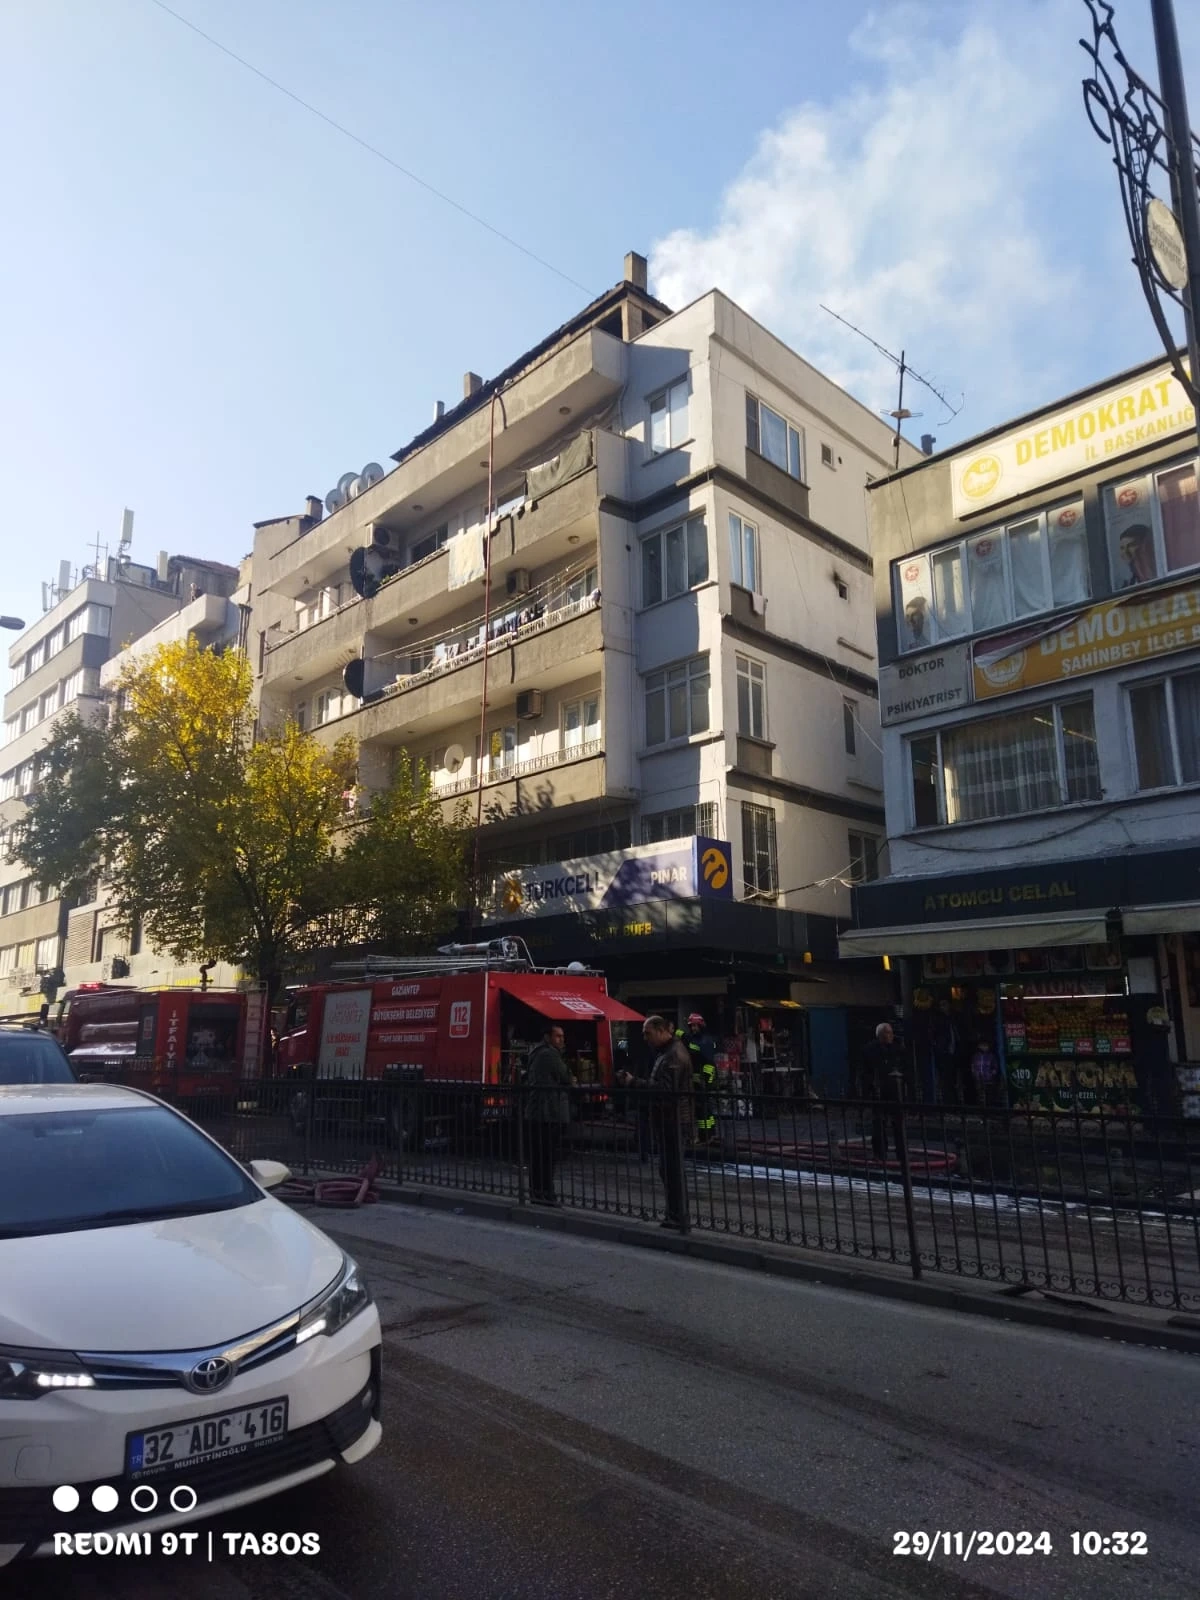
(30, 1057)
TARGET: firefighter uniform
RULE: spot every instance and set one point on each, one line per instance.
(703, 1053)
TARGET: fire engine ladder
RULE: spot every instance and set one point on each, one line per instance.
(493, 955)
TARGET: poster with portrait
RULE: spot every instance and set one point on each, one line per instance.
(915, 609)
(1129, 518)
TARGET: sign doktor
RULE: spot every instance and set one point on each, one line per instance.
(1115, 633)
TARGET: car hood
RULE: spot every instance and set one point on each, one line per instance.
(180, 1284)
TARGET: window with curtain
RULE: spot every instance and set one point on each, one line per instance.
(669, 418)
(1166, 731)
(770, 435)
(1025, 761)
(864, 858)
(743, 553)
(581, 722)
(674, 560)
(992, 579)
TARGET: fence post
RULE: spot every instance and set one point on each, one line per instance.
(676, 1136)
(519, 1112)
(308, 1123)
(910, 1216)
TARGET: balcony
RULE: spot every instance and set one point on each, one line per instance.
(546, 651)
(581, 376)
(558, 781)
(541, 532)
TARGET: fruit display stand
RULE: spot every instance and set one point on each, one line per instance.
(1070, 1052)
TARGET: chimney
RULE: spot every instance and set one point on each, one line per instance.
(313, 508)
(635, 270)
(439, 410)
(472, 383)
(927, 443)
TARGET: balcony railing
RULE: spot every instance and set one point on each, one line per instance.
(463, 649)
(521, 769)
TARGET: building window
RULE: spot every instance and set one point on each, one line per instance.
(588, 842)
(431, 543)
(301, 718)
(743, 553)
(1153, 525)
(326, 706)
(50, 702)
(30, 716)
(92, 619)
(54, 642)
(682, 823)
(8, 960)
(15, 897)
(677, 701)
(577, 589)
(864, 858)
(674, 560)
(993, 578)
(668, 418)
(850, 726)
(751, 698)
(46, 954)
(502, 748)
(12, 729)
(580, 722)
(1166, 731)
(71, 688)
(1006, 766)
(770, 435)
(760, 860)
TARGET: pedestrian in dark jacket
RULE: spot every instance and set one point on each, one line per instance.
(669, 1087)
(883, 1064)
(548, 1110)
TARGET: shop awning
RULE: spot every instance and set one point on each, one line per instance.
(565, 1005)
(1004, 933)
(1162, 919)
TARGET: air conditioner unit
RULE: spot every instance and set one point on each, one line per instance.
(517, 582)
(529, 704)
(120, 967)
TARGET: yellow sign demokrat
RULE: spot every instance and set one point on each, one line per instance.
(1048, 448)
(1114, 633)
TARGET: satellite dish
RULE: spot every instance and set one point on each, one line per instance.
(352, 677)
(344, 482)
(356, 488)
(334, 500)
(370, 474)
(369, 568)
(454, 757)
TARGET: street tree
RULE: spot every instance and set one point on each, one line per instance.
(226, 846)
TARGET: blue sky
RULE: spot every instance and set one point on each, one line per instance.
(214, 304)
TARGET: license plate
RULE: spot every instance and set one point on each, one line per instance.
(223, 1434)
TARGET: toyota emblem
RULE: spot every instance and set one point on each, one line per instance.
(210, 1375)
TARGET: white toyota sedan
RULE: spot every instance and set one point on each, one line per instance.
(173, 1341)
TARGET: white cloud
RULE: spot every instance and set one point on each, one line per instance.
(955, 203)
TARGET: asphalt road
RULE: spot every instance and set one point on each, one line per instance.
(565, 1418)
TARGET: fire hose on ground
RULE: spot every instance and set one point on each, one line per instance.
(339, 1192)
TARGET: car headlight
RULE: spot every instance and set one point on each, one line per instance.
(333, 1308)
(29, 1374)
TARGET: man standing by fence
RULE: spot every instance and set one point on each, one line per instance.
(883, 1082)
(670, 1085)
(549, 1111)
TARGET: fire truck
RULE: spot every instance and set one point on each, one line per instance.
(182, 1043)
(468, 1016)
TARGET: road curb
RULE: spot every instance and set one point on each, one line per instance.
(1152, 1329)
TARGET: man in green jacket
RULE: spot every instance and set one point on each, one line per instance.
(548, 1109)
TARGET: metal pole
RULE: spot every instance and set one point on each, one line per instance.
(910, 1214)
(1183, 169)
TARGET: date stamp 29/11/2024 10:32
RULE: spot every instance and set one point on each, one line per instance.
(984, 1543)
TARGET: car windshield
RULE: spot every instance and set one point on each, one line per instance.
(32, 1058)
(78, 1168)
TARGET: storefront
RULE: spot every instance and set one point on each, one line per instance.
(1061, 970)
(662, 923)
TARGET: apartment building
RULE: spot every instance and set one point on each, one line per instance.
(1039, 641)
(56, 667)
(100, 946)
(675, 654)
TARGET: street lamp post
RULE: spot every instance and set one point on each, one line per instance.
(1153, 148)
(12, 622)
(1182, 166)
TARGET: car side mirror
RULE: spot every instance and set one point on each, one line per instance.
(270, 1173)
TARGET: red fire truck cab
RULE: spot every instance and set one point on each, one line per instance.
(469, 1016)
(183, 1043)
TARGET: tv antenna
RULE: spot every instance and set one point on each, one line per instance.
(900, 414)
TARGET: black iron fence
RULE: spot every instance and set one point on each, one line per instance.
(1095, 1205)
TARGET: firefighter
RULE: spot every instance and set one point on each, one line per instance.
(702, 1049)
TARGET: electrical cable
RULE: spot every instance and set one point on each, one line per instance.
(374, 150)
